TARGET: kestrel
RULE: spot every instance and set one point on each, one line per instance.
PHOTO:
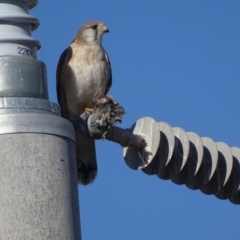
(83, 76)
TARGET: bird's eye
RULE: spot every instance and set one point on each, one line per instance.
(94, 27)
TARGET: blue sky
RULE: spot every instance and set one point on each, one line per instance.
(176, 61)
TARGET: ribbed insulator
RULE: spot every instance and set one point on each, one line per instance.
(186, 158)
(16, 26)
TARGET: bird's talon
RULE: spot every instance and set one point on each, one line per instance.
(89, 110)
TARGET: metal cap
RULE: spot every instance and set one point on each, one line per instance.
(36, 123)
(22, 77)
(31, 105)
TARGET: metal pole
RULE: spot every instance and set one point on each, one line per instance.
(38, 182)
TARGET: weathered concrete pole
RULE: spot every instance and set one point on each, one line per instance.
(38, 183)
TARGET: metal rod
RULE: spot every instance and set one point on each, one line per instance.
(124, 137)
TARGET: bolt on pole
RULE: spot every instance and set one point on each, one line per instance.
(38, 182)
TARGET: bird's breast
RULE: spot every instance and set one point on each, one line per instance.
(89, 77)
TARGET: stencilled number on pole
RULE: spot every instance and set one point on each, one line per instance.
(25, 51)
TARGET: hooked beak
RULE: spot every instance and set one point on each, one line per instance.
(106, 30)
(103, 29)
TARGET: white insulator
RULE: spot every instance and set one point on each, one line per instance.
(140, 158)
(185, 158)
(16, 26)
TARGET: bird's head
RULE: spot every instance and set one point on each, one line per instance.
(92, 32)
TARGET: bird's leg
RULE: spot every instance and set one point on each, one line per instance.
(105, 133)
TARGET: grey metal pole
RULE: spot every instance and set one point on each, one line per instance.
(38, 182)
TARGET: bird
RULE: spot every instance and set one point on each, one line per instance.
(83, 76)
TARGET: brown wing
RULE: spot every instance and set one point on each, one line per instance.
(61, 80)
(110, 74)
